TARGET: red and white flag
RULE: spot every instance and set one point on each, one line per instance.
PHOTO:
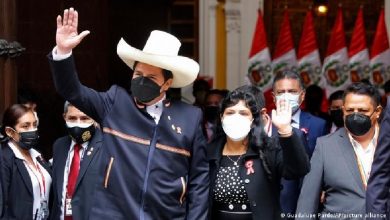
(359, 61)
(335, 68)
(380, 54)
(284, 55)
(259, 63)
(309, 62)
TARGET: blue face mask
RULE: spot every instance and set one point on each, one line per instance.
(293, 99)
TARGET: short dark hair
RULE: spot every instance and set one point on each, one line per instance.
(166, 73)
(215, 92)
(362, 88)
(288, 74)
(336, 95)
(200, 85)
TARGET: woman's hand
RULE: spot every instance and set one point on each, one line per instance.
(281, 117)
(67, 37)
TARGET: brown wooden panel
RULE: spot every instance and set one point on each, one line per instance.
(8, 74)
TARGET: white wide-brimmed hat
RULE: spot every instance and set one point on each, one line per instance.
(161, 50)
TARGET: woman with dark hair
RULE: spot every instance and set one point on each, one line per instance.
(246, 165)
(26, 176)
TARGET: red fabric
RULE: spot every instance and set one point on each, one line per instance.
(337, 38)
(285, 41)
(308, 42)
(381, 43)
(259, 41)
(73, 173)
(358, 41)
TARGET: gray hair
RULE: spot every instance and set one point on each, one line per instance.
(66, 106)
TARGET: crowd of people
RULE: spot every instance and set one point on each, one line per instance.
(134, 153)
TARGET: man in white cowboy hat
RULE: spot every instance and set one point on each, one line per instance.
(153, 154)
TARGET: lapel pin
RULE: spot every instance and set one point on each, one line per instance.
(89, 153)
(173, 127)
(169, 117)
(178, 130)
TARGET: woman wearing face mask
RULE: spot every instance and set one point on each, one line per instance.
(26, 176)
(246, 165)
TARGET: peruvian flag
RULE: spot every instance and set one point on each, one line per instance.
(380, 53)
(309, 62)
(335, 68)
(259, 63)
(359, 61)
(284, 55)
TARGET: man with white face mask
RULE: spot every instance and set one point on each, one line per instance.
(75, 161)
(288, 85)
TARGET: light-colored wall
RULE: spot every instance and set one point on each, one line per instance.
(241, 16)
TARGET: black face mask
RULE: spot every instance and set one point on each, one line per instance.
(81, 135)
(358, 124)
(211, 113)
(28, 139)
(144, 89)
(337, 117)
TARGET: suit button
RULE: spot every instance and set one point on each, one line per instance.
(246, 180)
(254, 204)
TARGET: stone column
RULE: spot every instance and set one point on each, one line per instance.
(233, 49)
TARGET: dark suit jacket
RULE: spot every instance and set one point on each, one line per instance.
(379, 182)
(334, 169)
(287, 158)
(17, 186)
(313, 127)
(152, 171)
(88, 176)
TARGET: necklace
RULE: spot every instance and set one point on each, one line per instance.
(235, 162)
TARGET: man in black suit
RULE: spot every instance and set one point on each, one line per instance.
(85, 140)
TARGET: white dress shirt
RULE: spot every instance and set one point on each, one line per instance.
(155, 110)
(67, 169)
(365, 157)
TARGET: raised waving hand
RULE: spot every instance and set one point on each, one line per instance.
(281, 117)
(67, 36)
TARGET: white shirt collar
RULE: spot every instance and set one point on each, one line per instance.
(156, 109)
(34, 154)
(84, 145)
(371, 147)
